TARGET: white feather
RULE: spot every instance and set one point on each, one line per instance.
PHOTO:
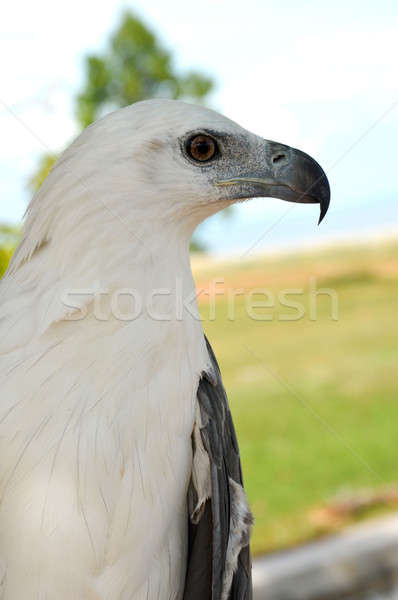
(96, 414)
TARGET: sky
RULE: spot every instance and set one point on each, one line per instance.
(317, 75)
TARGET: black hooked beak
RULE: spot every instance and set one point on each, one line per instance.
(285, 173)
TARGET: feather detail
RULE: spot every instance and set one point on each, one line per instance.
(219, 565)
(200, 481)
(240, 525)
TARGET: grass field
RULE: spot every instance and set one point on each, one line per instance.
(315, 401)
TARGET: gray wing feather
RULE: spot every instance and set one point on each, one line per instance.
(209, 537)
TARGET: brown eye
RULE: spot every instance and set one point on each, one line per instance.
(202, 148)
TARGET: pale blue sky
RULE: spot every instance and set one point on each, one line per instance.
(316, 75)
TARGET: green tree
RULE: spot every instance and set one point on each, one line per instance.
(9, 237)
(135, 66)
(43, 169)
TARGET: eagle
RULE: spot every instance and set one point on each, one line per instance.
(120, 476)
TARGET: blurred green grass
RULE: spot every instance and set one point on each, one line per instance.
(315, 402)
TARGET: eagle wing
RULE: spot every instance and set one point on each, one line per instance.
(219, 564)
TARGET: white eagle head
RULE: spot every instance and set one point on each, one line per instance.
(151, 172)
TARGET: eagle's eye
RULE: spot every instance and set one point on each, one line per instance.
(202, 148)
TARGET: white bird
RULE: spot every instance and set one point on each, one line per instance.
(119, 469)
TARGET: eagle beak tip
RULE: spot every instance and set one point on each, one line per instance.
(324, 206)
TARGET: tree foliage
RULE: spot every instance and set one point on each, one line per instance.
(134, 67)
(9, 238)
(44, 167)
